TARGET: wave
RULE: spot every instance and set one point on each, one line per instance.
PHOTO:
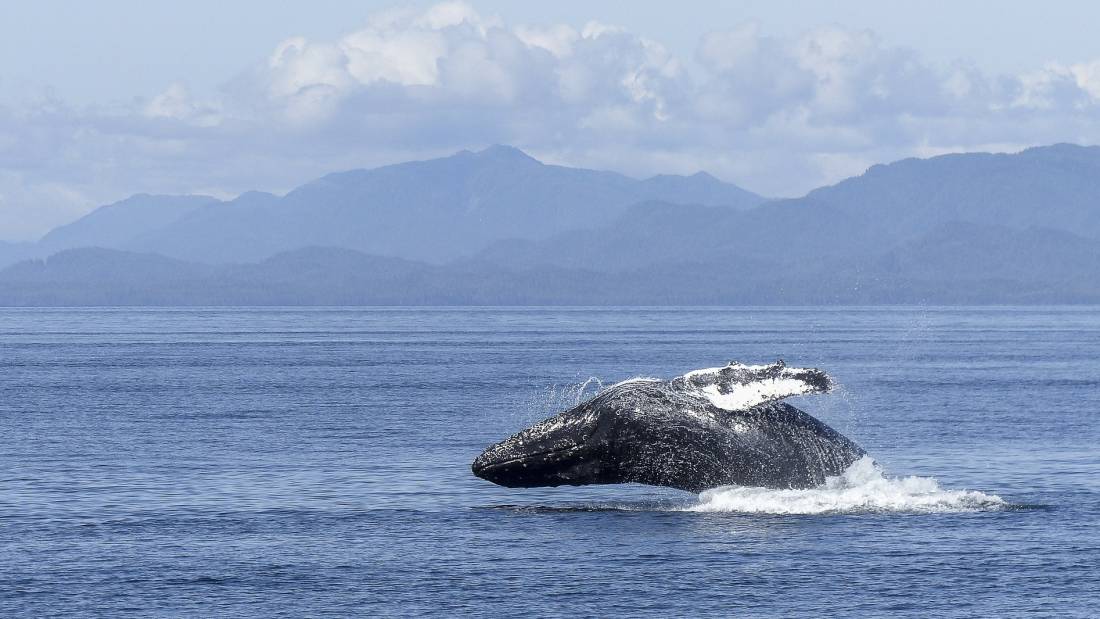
(862, 488)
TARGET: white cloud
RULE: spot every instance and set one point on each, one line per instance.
(779, 115)
(557, 39)
(177, 103)
(1087, 76)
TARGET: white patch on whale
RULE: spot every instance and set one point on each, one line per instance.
(726, 393)
(734, 365)
(740, 397)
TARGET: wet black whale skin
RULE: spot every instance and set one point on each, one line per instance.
(651, 432)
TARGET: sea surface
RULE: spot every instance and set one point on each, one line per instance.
(315, 462)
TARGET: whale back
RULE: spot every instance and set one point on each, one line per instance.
(659, 434)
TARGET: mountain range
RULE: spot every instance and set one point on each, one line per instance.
(433, 210)
(499, 227)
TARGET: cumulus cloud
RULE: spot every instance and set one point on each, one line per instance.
(777, 115)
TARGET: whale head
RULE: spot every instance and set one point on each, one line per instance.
(566, 449)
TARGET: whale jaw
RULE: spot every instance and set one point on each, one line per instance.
(567, 449)
(562, 467)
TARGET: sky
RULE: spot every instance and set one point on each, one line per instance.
(102, 100)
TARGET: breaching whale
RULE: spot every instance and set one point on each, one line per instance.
(708, 428)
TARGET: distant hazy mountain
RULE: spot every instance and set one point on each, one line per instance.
(1053, 188)
(955, 229)
(111, 277)
(309, 276)
(959, 263)
(781, 233)
(699, 188)
(11, 253)
(431, 210)
(117, 224)
(650, 233)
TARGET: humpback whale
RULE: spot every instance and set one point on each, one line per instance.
(710, 427)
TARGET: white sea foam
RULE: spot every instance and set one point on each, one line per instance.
(862, 488)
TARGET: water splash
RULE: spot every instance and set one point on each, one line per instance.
(580, 392)
(556, 398)
(862, 488)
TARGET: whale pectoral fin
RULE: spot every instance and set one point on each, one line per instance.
(738, 386)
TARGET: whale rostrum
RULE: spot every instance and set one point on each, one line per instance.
(710, 427)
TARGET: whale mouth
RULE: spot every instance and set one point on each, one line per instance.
(549, 467)
(487, 464)
(554, 452)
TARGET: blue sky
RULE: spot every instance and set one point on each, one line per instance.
(102, 100)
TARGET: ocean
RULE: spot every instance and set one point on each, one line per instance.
(294, 462)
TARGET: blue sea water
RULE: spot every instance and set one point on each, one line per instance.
(315, 462)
